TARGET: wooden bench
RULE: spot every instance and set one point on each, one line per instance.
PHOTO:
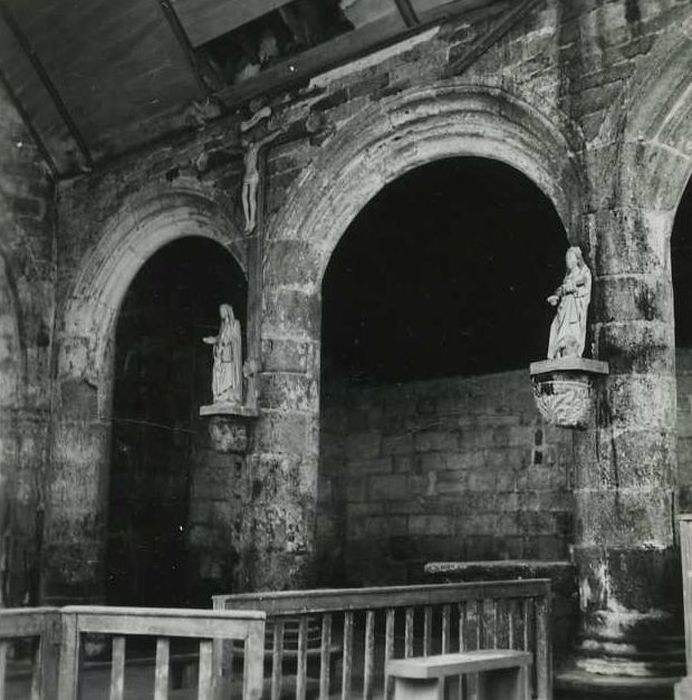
(499, 674)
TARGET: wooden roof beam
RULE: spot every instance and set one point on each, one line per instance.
(48, 84)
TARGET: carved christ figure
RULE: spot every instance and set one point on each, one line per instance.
(251, 179)
(227, 381)
(572, 297)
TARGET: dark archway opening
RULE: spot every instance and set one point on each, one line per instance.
(434, 304)
(162, 376)
(681, 263)
(444, 273)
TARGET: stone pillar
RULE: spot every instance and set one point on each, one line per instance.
(628, 570)
(26, 311)
(280, 485)
(75, 533)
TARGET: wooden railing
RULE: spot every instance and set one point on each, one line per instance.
(40, 628)
(369, 626)
(58, 669)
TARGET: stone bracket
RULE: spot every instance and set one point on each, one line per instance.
(228, 426)
(564, 389)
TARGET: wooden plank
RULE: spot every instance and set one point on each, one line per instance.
(161, 672)
(4, 648)
(445, 633)
(325, 600)
(686, 561)
(165, 623)
(204, 20)
(205, 682)
(544, 680)
(512, 623)
(442, 665)
(302, 658)
(408, 632)
(30, 622)
(369, 654)
(325, 655)
(463, 613)
(526, 609)
(117, 689)
(389, 652)
(70, 655)
(427, 629)
(253, 662)
(36, 671)
(347, 660)
(277, 658)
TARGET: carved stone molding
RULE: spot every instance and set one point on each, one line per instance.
(564, 389)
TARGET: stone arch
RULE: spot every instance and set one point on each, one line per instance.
(402, 133)
(140, 228)
(652, 122)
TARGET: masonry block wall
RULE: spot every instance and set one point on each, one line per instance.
(448, 469)
(566, 65)
(27, 265)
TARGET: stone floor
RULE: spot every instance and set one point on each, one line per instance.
(139, 683)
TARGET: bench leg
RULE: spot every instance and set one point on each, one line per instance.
(503, 684)
(418, 688)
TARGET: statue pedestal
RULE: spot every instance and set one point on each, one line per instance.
(564, 389)
(228, 425)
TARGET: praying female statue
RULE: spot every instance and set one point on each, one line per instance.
(227, 377)
(568, 330)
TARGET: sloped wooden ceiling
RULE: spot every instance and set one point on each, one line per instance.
(94, 78)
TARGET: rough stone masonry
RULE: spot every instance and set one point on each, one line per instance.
(589, 99)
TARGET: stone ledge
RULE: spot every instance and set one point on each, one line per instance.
(228, 409)
(567, 364)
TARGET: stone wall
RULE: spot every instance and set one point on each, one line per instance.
(449, 469)
(550, 97)
(27, 264)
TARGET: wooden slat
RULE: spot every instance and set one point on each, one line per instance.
(117, 690)
(325, 655)
(480, 625)
(205, 679)
(446, 634)
(389, 652)
(70, 656)
(686, 561)
(4, 646)
(253, 662)
(36, 671)
(204, 20)
(347, 656)
(302, 659)
(526, 608)
(543, 661)
(369, 654)
(335, 600)
(277, 658)
(427, 630)
(512, 623)
(163, 651)
(408, 633)
(463, 613)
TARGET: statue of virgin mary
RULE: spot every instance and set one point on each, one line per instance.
(227, 378)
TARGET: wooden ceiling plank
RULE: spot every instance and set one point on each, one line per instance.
(184, 43)
(205, 20)
(35, 137)
(47, 83)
